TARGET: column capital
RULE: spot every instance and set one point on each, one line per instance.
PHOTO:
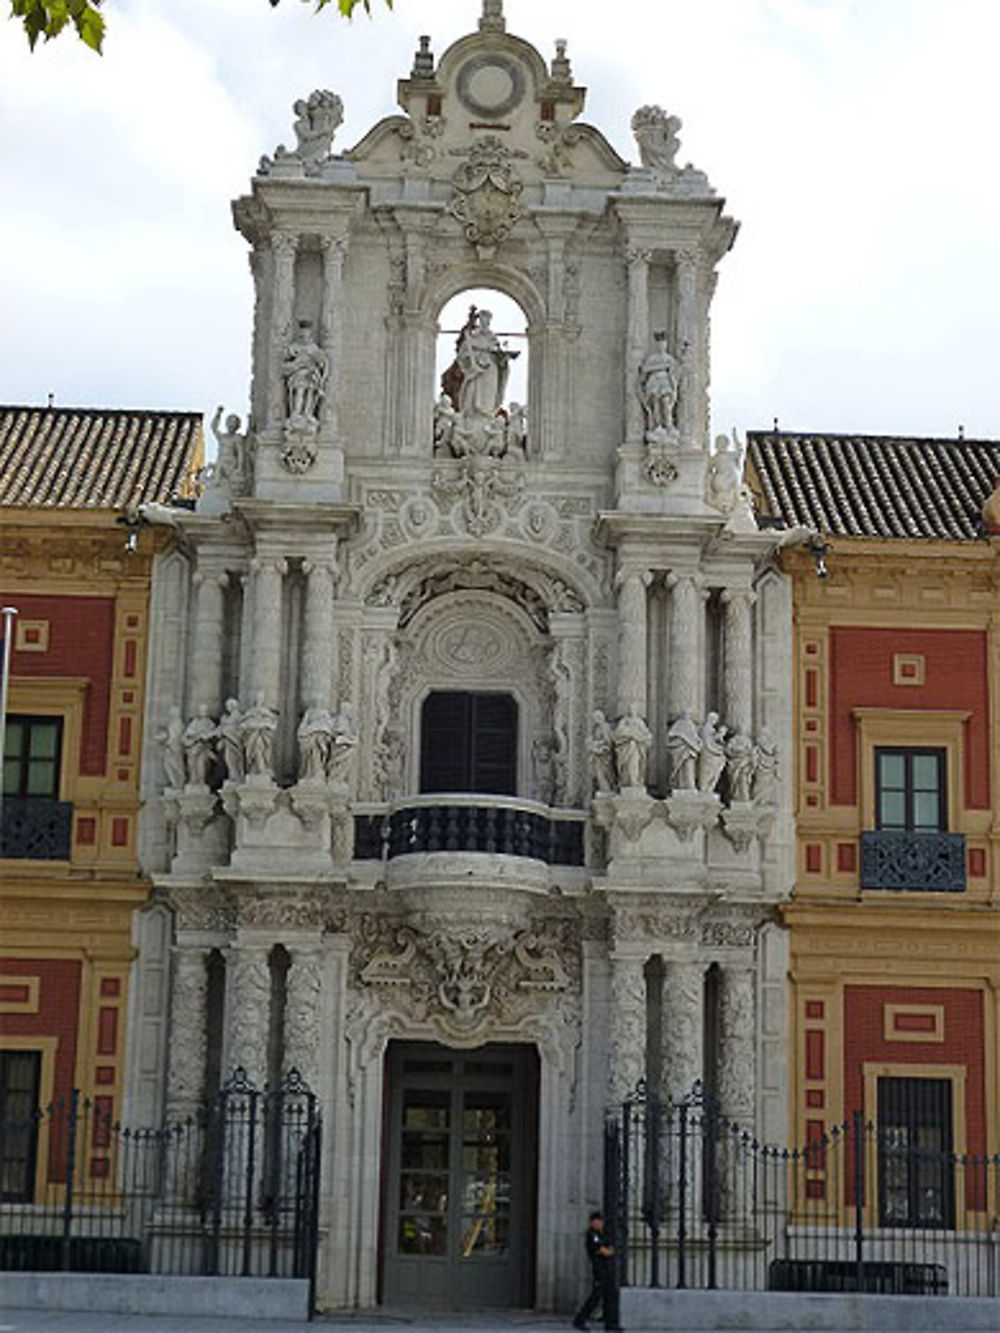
(261, 564)
(676, 577)
(284, 243)
(203, 577)
(637, 256)
(320, 565)
(626, 573)
(735, 595)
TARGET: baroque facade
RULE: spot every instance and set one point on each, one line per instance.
(467, 779)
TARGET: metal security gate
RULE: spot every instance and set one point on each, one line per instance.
(459, 1197)
(232, 1191)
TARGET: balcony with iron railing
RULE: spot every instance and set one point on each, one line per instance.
(452, 827)
(35, 828)
(913, 862)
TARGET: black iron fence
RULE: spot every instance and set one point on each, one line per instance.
(483, 824)
(231, 1191)
(695, 1200)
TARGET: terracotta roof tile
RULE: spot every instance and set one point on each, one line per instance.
(874, 485)
(89, 458)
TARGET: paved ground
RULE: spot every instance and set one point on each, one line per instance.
(43, 1321)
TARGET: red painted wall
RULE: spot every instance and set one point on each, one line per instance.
(81, 643)
(963, 1044)
(861, 677)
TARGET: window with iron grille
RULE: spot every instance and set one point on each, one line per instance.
(19, 1084)
(468, 743)
(915, 1166)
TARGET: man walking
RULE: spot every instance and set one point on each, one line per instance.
(603, 1288)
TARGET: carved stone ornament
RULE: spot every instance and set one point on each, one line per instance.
(205, 908)
(487, 194)
(317, 119)
(659, 465)
(656, 138)
(298, 913)
(482, 484)
(464, 977)
(691, 810)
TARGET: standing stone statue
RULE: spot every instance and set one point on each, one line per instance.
(659, 385)
(632, 739)
(199, 747)
(172, 740)
(740, 765)
(305, 370)
(484, 364)
(317, 119)
(712, 756)
(315, 737)
(601, 750)
(765, 777)
(231, 472)
(345, 738)
(542, 770)
(683, 748)
(257, 727)
(656, 138)
(229, 741)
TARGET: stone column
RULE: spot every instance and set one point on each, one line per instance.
(319, 647)
(302, 1014)
(638, 340)
(284, 244)
(248, 1010)
(268, 571)
(737, 681)
(632, 619)
(206, 647)
(684, 677)
(188, 1033)
(334, 250)
(737, 1045)
(682, 1028)
(688, 346)
(627, 1063)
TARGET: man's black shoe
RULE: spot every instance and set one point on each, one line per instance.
(578, 1323)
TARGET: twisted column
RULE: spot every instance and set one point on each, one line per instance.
(737, 680)
(627, 1063)
(632, 620)
(248, 1010)
(302, 1014)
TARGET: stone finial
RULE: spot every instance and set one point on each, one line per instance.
(423, 60)
(559, 70)
(492, 19)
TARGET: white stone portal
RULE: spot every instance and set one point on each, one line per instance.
(568, 574)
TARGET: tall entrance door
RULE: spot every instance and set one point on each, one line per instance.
(459, 1194)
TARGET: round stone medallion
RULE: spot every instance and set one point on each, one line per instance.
(490, 85)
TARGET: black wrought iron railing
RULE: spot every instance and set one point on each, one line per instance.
(694, 1200)
(35, 828)
(231, 1191)
(918, 862)
(470, 824)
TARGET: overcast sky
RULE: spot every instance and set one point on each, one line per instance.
(855, 140)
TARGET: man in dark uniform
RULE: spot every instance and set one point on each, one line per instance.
(604, 1288)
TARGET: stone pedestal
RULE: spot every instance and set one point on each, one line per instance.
(281, 827)
(202, 835)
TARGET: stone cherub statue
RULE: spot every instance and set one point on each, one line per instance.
(317, 119)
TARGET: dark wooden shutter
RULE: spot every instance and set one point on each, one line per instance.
(468, 743)
(494, 744)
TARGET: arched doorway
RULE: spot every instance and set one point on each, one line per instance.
(460, 1182)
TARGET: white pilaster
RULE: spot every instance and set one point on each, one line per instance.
(638, 339)
(284, 244)
(206, 647)
(632, 622)
(334, 250)
(319, 648)
(268, 571)
(688, 346)
(686, 636)
(738, 660)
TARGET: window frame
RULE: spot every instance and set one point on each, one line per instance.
(31, 721)
(908, 753)
(903, 727)
(911, 1155)
(469, 739)
(31, 1124)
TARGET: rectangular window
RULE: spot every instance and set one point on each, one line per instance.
(31, 757)
(910, 790)
(19, 1083)
(915, 1165)
(468, 743)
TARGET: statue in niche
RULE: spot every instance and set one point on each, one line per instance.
(543, 750)
(305, 370)
(765, 775)
(484, 363)
(231, 472)
(632, 739)
(315, 737)
(317, 119)
(345, 738)
(229, 741)
(724, 488)
(257, 727)
(683, 748)
(172, 740)
(740, 765)
(656, 138)
(712, 756)
(601, 749)
(659, 385)
(199, 747)
(469, 418)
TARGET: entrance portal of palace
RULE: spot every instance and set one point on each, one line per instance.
(459, 1197)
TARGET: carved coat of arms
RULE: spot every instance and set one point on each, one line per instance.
(487, 195)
